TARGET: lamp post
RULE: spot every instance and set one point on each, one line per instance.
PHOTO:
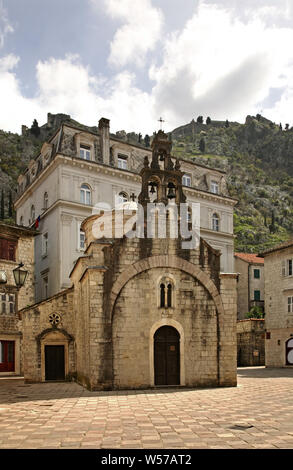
(19, 276)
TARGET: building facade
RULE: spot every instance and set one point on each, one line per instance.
(278, 268)
(141, 311)
(16, 246)
(78, 169)
(250, 285)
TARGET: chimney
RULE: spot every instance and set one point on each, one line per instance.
(104, 128)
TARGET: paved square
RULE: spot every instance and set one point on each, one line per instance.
(257, 414)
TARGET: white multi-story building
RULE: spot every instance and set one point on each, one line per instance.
(77, 169)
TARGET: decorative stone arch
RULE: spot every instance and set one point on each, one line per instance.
(166, 278)
(164, 261)
(53, 337)
(154, 328)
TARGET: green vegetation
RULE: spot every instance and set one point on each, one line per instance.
(262, 181)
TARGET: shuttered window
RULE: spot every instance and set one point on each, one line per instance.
(7, 249)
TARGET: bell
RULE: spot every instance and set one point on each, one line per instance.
(171, 193)
(152, 185)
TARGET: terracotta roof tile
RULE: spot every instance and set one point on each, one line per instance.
(250, 258)
(281, 246)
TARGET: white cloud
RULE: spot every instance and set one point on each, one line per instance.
(65, 85)
(5, 26)
(221, 66)
(141, 28)
(217, 65)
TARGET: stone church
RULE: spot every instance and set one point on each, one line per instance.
(141, 312)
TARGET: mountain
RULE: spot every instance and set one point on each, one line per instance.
(258, 159)
(257, 156)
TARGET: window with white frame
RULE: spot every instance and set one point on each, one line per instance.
(33, 214)
(122, 162)
(85, 152)
(45, 287)
(290, 267)
(290, 304)
(45, 202)
(186, 180)
(215, 222)
(214, 187)
(7, 306)
(287, 267)
(45, 244)
(85, 194)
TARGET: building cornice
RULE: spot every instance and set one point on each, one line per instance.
(102, 168)
(213, 232)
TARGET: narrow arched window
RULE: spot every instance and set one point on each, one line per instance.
(215, 222)
(33, 214)
(162, 295)
(45, 202)
(85, 194)
(169, 295)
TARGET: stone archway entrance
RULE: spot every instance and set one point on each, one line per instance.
(167, 356)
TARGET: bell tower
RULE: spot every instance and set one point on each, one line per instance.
(162, 178)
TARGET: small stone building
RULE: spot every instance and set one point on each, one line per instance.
(16, 246)
(141, 312)
(278, 266)
(251, 342)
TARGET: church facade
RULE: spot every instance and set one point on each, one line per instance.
(141, 312)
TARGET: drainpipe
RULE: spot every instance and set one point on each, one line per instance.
(248, 272)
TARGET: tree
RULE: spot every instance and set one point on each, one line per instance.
(258, 116)
(280, 127)
(272, 226)
(202, 145)
(147, 140)
(255, 312)
(139, 138)
(208, 120)
(2, 212)
(10, 205)
(35, 130)
(286, 127)
(227, 123)
(200, 119)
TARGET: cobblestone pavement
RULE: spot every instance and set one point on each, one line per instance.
(256, 414)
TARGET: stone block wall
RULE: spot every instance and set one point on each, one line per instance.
(38, 330)
(251, 342)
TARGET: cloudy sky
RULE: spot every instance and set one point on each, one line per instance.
(134, 61)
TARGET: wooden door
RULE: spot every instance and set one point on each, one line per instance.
(167, 356)
(54, 363)
(7, 356)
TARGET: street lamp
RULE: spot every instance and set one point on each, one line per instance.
(19, 275)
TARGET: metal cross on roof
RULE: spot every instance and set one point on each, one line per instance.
(161, 120)
(133, 197)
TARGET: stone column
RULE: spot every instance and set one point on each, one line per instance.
(227, 331)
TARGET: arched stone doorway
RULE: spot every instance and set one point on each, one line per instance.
(167, 356)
